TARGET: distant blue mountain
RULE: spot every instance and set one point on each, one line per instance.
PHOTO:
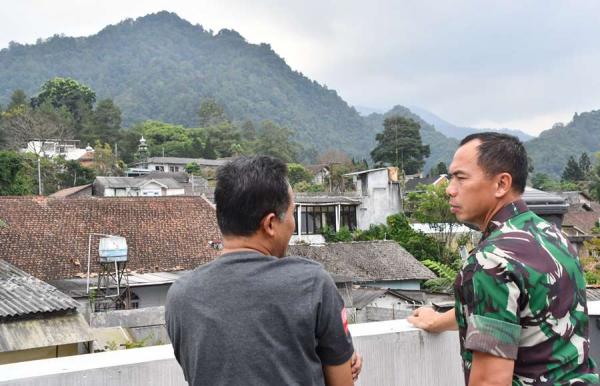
(458, 132)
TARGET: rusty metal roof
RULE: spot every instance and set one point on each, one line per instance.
(23, 296)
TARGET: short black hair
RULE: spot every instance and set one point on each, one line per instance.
(248, 189)
(501, 153)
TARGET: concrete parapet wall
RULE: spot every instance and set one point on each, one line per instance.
(394, 354)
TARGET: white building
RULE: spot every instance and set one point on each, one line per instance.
(133, 187)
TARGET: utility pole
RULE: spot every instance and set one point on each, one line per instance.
(39, 176)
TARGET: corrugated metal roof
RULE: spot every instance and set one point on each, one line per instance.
(52, 331)
(593, 294)
(185, 161)
(23, 295)
(541, 202)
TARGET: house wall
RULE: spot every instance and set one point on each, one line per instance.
(175, 192)
(380, 198)
(151, 296)
(38, 353)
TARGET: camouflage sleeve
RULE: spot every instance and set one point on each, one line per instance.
(493, 309)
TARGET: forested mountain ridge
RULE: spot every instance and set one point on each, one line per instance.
(551, 150)
(161, 67)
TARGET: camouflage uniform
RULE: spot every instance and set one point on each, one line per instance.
(521, 295)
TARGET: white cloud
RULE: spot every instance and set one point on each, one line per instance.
(519, 64)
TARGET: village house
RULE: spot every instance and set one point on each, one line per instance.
(173, 165)
(133, 187)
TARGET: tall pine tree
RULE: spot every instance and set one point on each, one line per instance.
(400, 145)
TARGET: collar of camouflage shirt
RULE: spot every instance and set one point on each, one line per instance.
(511, 210)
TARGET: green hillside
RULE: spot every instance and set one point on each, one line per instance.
(161, 67)
(551, 150)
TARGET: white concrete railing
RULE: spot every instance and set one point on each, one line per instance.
(394, 354)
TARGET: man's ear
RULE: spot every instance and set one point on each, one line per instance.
(503, 184)
(267, 224)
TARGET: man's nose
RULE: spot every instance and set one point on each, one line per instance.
(450, 189)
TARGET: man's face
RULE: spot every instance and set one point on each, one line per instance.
(471, 190)
(284, 228)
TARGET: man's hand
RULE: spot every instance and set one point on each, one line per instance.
(357, 363)
(429, 320)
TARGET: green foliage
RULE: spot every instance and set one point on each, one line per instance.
(444, 271)
(17, 99)
(160, 67)
(572, 172)
(551, 150)
(77, 98)
(430, 205)
(545, 182)
(15, 175)
(298, 173)
(276, 141)
(193, 168)
(304, 186)
(375, 232)
(442, 148)
(592, 277)
(331, 236)
(211, 113)
(438, 169)
(400, 145)
(103, 124)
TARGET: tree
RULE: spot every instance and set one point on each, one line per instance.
(429, 205)
(105, 161)
(276, 141)
(211, 113)
(103, 123)
(23, 124)
(585, 164)
(193, 168)
(77, 98)
(17, 99)
(594, 186)
(298, 173)
(400, 145)
(225, 140)
(572, 171)
(15, 175)
(438, 170)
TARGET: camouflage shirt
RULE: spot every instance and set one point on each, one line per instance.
(521, 295)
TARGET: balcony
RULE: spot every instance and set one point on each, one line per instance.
(394, 352)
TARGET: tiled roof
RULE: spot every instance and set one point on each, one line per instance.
(48, 238)
(63, 193)
(324, 198)
(366, 260)
(412, 184)
(593, 294)
(135, 182)
(585, 218)
(22, 295)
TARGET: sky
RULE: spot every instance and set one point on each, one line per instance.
(491, 64)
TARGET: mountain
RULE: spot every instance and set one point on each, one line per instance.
(459, 132)
(161, 67)
(442, 148)
(551, 150)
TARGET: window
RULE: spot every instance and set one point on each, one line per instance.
(173, 169)
(348, 216)
(315, 218)
(120, 192)
(160, 168)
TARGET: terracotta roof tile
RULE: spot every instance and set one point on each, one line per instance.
(48, 237)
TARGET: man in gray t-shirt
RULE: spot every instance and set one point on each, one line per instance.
(252, 317)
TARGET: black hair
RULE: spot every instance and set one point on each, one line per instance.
(501, 153)
(247, 190)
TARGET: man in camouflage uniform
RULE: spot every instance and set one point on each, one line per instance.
(520, 306)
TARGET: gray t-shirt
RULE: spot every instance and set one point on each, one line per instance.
(250, 319)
